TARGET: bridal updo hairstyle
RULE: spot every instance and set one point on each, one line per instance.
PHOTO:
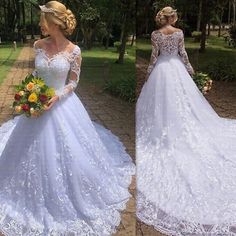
(167, 15)
(55, 12)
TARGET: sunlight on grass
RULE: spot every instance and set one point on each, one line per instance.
(99, 65)
(7, 58)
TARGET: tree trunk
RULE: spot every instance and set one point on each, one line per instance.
(107, 40)
(87, 37)
(199, 15)
(132, 42)
(203, 39)
(204, 19)
(5, 16)
(234, 11)
(229, 12)
(209, 29)
(31, 21)
(220, 23)
(123, 41)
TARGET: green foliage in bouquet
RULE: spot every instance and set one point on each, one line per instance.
(32, 96)
(203, 82)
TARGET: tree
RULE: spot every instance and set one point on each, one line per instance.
(89, 18)
(128, 9)
(199, 15)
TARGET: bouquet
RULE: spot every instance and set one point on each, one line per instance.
(203, 81)
(32, 96)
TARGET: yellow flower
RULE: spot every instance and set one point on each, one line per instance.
(39, 82)
(50, 92)
(30, 86)
(33, 97)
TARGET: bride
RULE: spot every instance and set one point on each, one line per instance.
(186, 153)
(61, 173)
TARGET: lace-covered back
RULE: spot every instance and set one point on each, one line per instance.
(54, 69)
(168, 43)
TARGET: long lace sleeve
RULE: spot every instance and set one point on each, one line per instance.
(155, 52)
(34, 72)
(184, 55)
(75, 62)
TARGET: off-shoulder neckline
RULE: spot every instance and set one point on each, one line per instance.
(51, 57)
(178, 31)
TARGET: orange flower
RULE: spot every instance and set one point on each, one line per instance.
(30, 86)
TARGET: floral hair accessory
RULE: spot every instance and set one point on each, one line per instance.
(43, 8)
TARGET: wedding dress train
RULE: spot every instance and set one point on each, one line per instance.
(186, 153)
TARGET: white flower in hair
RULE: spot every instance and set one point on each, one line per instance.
(46, 9)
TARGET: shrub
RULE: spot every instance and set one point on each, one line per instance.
(221, 70)
(196, 36)
(124, 88)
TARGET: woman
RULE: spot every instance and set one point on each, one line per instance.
(186, 153)
(60, 173)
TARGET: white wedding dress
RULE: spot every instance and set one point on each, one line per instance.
(61, 173)
(186, 153)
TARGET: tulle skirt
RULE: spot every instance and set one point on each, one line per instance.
(186, 156)
(61, 174)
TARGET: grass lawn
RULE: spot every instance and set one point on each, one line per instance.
(98, 65)
(7, 58)
(216, 49)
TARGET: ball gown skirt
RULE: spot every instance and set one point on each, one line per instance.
(186, 156)
(61, 174)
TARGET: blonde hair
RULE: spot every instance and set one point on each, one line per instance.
(58, 14)
(167, 15)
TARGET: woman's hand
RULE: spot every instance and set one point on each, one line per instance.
(51, 102)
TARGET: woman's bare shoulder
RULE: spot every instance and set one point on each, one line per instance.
(40, 43)
(169, 30)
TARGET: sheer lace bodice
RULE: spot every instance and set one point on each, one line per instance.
(55, 69)
(168, 45)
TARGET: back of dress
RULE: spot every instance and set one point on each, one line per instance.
(168, 45)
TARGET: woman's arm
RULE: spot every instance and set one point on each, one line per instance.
(74, 75)
(184, 56)
(75, 62)
(155, 52)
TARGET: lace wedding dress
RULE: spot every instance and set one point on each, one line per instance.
(186, 153)
(61, 173)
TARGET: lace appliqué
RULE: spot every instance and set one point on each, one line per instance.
(171, 44)
(74, 58)
(184, 56)
(155, 52)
